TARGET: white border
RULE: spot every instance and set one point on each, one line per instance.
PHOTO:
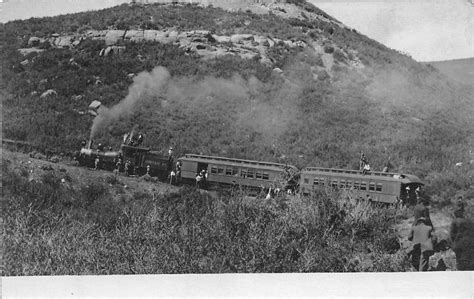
(427, 284)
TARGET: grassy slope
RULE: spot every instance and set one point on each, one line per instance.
(461, 70)
(92, 225)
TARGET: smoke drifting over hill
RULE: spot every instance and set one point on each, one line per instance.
(145, 86)
(252, 104)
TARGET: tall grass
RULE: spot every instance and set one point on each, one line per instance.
(84, 230)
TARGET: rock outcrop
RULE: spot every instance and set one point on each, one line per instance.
(208, 45)
(49, 93)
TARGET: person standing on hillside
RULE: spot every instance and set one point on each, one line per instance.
(423, 238)
(456, 234)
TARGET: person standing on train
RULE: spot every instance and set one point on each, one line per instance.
(363, 161)
(366, 169)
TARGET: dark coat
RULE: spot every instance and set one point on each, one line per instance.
(422, 234)
(421, 210)
(457, 230)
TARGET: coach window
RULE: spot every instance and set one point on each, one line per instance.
(342, 184)
(250, 173)
(228, 171)
(258, 175)
(334, 183)
(348, 184)
(378, 188)
(243, 173)
(363, 186)
(315, 181)
(356, 185)
(220, 170)
(213, 169)
(371, 186)
(266, 175)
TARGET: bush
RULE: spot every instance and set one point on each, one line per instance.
(191, 232)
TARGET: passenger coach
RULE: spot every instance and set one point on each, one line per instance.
(231, 172)
(374, 186)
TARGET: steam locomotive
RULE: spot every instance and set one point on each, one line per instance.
(141, 160)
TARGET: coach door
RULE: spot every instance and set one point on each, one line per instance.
(201, 167)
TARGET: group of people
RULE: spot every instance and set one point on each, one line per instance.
(364, 165)
(424, 239)
(127, 167)
(201, 179)
(132, 139)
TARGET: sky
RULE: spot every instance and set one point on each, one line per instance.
(428, 30)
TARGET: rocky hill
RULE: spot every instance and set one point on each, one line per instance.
(271, 80)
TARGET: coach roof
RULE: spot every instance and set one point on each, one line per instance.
(235, 162)
(389, 176)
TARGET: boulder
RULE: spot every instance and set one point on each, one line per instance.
(54, 159)
(49, 93)
(26, 51)
(96, 34)
(173, 35)
(150, 35)
(221, 38)
(201, 32)
(261, 40)
(113, 36)
(134, 35)
(162, 37)
(35, 41)
(277, 70)
(76, 42)
(112, 50)
(63, 42)
(271, 42)
(239, 38)
(77, 98)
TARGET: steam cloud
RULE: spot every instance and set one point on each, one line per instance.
(258, 105)
(145, 85)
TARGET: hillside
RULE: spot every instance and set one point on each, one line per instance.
(288, 84)
(461, 70)
(265, 80)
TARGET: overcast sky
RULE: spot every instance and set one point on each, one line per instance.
(428, 30)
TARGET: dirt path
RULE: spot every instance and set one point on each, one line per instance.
(80, 176)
